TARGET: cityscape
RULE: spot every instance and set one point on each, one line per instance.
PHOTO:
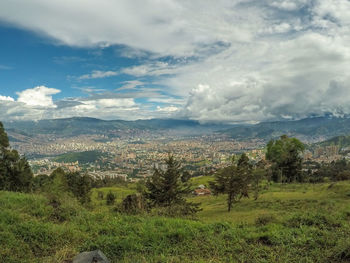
(133, 158)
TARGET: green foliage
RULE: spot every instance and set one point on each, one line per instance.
(233, 181)
(61, 183)
(110, 198)
(80, 186)
(336, 171)
(100, 195)
(165, 188)
(141, 187)
(265, 219)
(15, 172)
(4, 140)
(285, 154)
(133, 204)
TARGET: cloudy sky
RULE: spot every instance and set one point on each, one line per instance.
(223, 60)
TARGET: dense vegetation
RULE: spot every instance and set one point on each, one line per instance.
(15, 172)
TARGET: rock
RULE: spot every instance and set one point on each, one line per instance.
(91, 257)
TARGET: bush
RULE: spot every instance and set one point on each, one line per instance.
(100, 195)
(133, 204)
(177, 210)
(321, 221)
(265, 219)
(110, 198)
(64, 207)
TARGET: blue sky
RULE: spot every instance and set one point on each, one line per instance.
(77, 72)
(228, 61)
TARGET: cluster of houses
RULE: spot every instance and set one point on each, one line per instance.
(201, 190)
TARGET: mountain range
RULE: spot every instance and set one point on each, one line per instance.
(310, 129)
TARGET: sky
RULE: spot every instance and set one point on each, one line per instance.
(231, 61)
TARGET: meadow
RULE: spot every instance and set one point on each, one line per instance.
(288, 223)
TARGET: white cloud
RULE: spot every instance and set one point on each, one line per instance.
(169, 109)
(6, 98)
(151, 69)
(289, 5)
(116, 108)
(97, 74)
(131, 85)
(178, 27)
(230, 60)
(39, 96)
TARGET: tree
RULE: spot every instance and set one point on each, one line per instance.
(259, 173)
(186, 176)
(286, 157)
(233, 180)
(15, 172)
(80, 186)
(166, 189)
(73, 184)
(59, 184)
(110, 198)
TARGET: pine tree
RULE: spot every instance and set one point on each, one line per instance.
(166, 189)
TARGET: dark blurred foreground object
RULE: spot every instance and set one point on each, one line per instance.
(91, 257)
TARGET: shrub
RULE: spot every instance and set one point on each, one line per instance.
(100, 195)
(133, 204)
(265, 219)
(110, 198)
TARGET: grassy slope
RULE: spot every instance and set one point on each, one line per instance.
(294, 223)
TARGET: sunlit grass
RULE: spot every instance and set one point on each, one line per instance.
(288, 223)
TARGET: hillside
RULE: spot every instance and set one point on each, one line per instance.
(341, 141)
(310, 129)
(78, 126)
(290, 223)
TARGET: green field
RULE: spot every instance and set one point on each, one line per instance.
(288, 223)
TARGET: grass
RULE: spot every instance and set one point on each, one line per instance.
(289, 223)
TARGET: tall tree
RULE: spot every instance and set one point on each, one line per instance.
(286, 157)
(165, 188)
(233, 180)
(15, 172)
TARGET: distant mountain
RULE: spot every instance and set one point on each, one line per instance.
(309, 130)
(341, 141)
(84, 126)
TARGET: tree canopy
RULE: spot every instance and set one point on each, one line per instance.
(15, 172)
(286, 157)
(233, 180)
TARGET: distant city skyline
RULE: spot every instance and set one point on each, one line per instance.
(227, 61)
